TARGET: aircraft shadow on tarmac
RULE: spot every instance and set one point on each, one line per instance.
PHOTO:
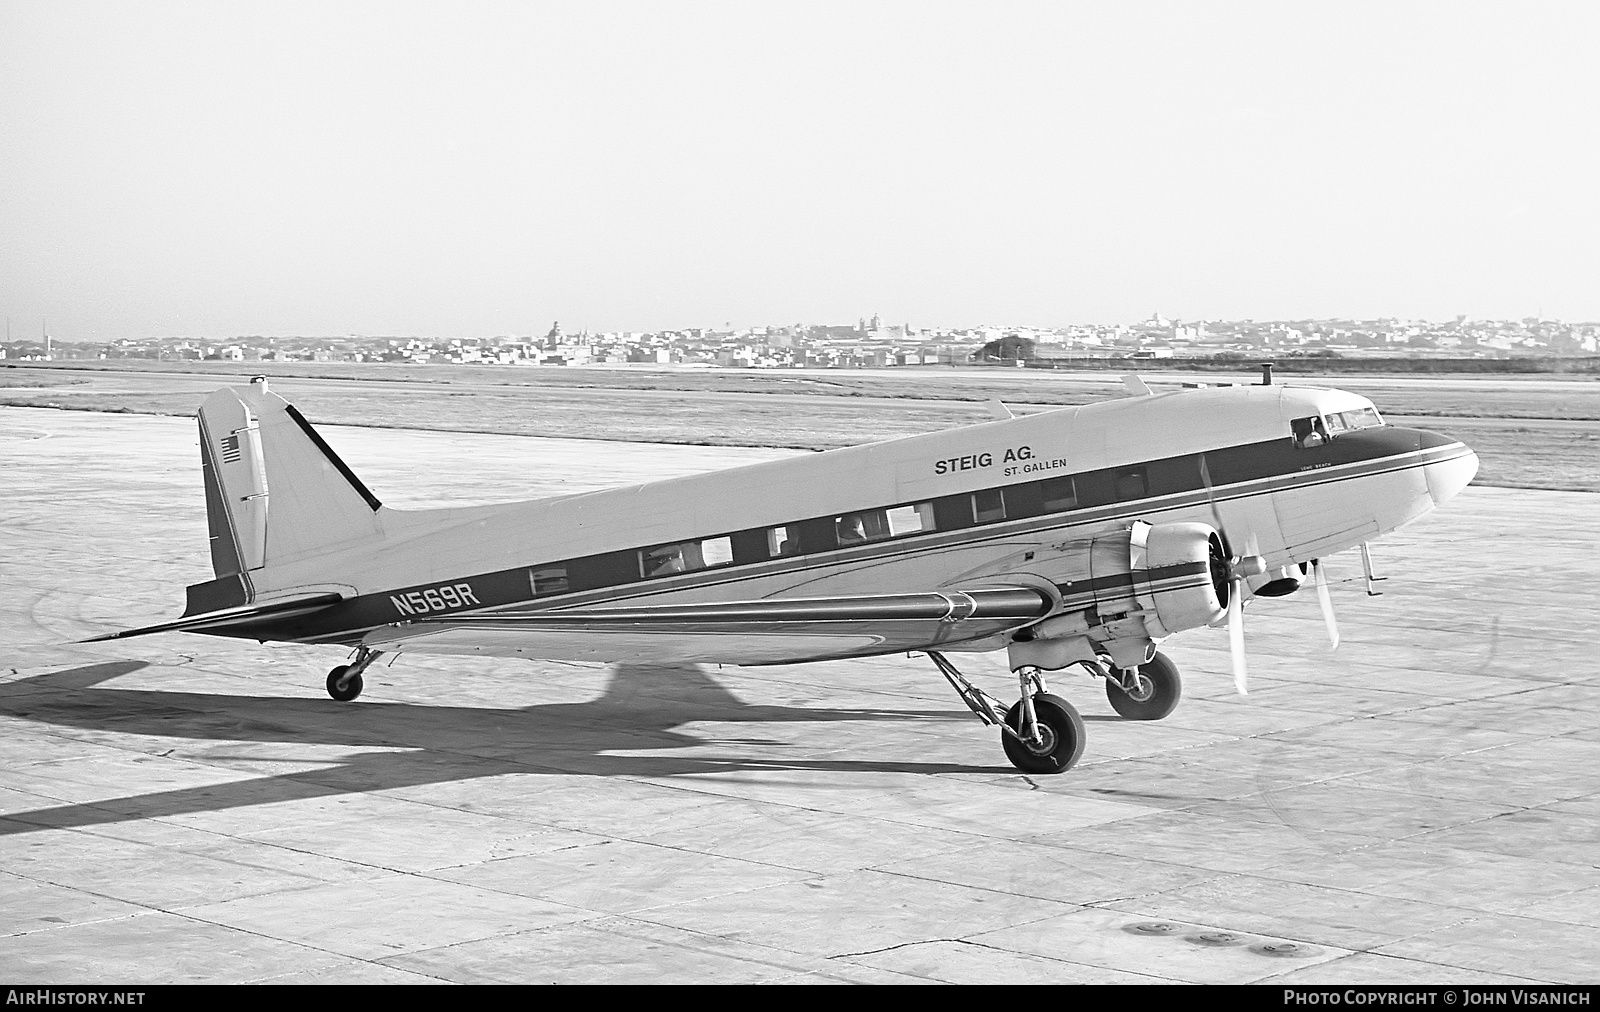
(417, 744)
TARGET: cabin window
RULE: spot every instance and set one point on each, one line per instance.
(818, 534)
(879, 525)
(717, 551)
(1059, 494)
(988, 506)
(782, 541)
(859, 528)
(1095, 488)
(1131, 484)
(953, 512)
(548, 580)
(911, 519)
(685, 557)
(1308, 432)
(609, 570)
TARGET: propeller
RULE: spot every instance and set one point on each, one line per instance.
(1326, 600)
(1240, 568)
(1236, 636)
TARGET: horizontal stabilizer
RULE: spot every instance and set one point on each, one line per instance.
(233, 618)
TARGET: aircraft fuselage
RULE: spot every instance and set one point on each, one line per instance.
(1006, 506)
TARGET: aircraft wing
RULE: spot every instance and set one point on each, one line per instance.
(730, 632)
(1011, 604)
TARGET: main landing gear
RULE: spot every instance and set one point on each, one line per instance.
(1041, 733)
(1148, 692)
(344, 681)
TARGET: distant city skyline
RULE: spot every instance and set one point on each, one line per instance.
(873, 323)
(871, 343)
(484, 169)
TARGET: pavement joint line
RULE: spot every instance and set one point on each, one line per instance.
(643, 934)
(277, 938)
(632, 911)
(920, 941)
(92, 920)
(353, 959)
(1100, 904)
(172, 911)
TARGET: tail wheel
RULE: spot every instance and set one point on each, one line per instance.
(1155, 694)
(352, 687)
(1060, 732)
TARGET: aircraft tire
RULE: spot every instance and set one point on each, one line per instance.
(1166, 688)
(1062, 729)
(351, 689)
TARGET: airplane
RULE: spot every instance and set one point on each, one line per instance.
(1079, 537)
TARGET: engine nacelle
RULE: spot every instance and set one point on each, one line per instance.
(1280, 583)
(1127, 590)
(1180, 576)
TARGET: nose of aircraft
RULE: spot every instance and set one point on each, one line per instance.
(1450, 472)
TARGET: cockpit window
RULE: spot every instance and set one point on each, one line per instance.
(1360, 418)
(1316, 430)
(1309, 432)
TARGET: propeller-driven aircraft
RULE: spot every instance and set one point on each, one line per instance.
(1078, 537)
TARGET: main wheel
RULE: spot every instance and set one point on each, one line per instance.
(1061, 731)
(1154, 696)
(352, 688)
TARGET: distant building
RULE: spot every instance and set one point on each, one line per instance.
(1010, 348)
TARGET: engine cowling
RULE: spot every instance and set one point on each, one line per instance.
(1180, 576)
(1126, 589)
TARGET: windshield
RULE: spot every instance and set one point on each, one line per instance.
(1359, 418)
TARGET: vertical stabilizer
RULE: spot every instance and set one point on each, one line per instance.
(275, 490)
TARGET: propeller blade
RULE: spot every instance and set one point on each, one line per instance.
(1211, 500)
(1236, 635)
(1326, 600)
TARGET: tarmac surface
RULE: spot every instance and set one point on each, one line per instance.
(1421, 806)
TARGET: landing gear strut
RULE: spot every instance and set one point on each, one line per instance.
(1041, 733)
(344, 681)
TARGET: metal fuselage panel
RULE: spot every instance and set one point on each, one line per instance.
(1282, 502)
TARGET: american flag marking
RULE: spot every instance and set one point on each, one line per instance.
(230, 449)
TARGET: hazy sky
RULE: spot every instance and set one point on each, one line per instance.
(479, 168)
